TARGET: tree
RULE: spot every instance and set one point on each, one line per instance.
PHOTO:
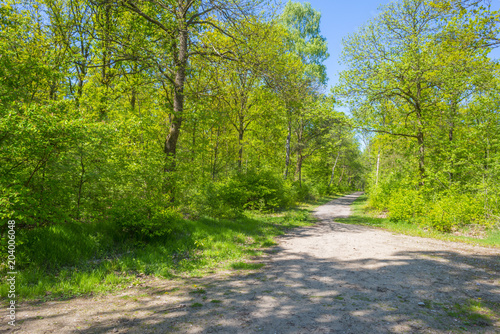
(303, 39)
(401, 65)
(181, 23)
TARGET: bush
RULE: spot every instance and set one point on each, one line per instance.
(443, 212)
(303, 192)
(454, 210)
(223, 199)
(406, 205)
(264, 190)
(143, 219)
(254, 190)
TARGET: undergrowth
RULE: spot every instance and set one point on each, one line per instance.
(78, 259)
(361, 214)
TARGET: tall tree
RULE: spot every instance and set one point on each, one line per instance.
(181, 22)
(401, 64)
(304, 40)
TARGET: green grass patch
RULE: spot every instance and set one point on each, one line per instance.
(361, 215)
(65, 261)
(199, 291)
(473, 313)
(246, 266)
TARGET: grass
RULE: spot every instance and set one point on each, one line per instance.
(246, 266)
(65, 261)
(473, 312)
(361, 215)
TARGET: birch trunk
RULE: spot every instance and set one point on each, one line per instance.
(333, 169)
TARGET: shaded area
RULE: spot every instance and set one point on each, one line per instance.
(307, 297)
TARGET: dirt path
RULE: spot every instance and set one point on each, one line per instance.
(329, 278)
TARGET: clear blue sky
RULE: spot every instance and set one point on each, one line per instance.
(339, 18)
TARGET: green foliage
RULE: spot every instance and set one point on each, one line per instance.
(221, 199)
(78, 258)
(260, 190)
(426, 96)
(143, 220)
(304, 192)
(447, 212)
(302, 22)
(264, 190)
(364, 214)
(406, 205)
(454, 211)
(94, 162)
(47, 162)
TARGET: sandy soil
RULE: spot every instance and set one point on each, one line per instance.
(328, 278)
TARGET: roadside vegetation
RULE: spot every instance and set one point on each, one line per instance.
(423, 86)
(364, 214)
(65, 261)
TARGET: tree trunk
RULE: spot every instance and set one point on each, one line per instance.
(176, 118)
(288, 140)
(298, 168)
(133, 98)
(105, 69)
(216, 154)
(421, 156)
(193, 142)
(80, 187)
(450, 137)
(333, 169)
(378, 166)
(240, 152)
(177, 115)
(342, 174)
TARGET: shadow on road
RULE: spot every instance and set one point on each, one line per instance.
(410, 291)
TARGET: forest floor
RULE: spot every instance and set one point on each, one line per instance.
(327, 278)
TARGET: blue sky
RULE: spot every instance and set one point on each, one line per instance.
(339, 18)
(343, 17)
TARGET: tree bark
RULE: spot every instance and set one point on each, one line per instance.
(421, 156)
(342, 174)
(298, 168)
(176, 118)
(333, 169)
(240, 151)
(216, 155)
(288, 140)
(378, 166)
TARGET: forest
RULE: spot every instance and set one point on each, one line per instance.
(153, 126)
(421, 81)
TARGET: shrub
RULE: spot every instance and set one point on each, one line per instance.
(221, 199)
(264, 190)
(454, 210)
(143, 219)
(406, 205)
(254, 190)
(303, 192)
(379, 198)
